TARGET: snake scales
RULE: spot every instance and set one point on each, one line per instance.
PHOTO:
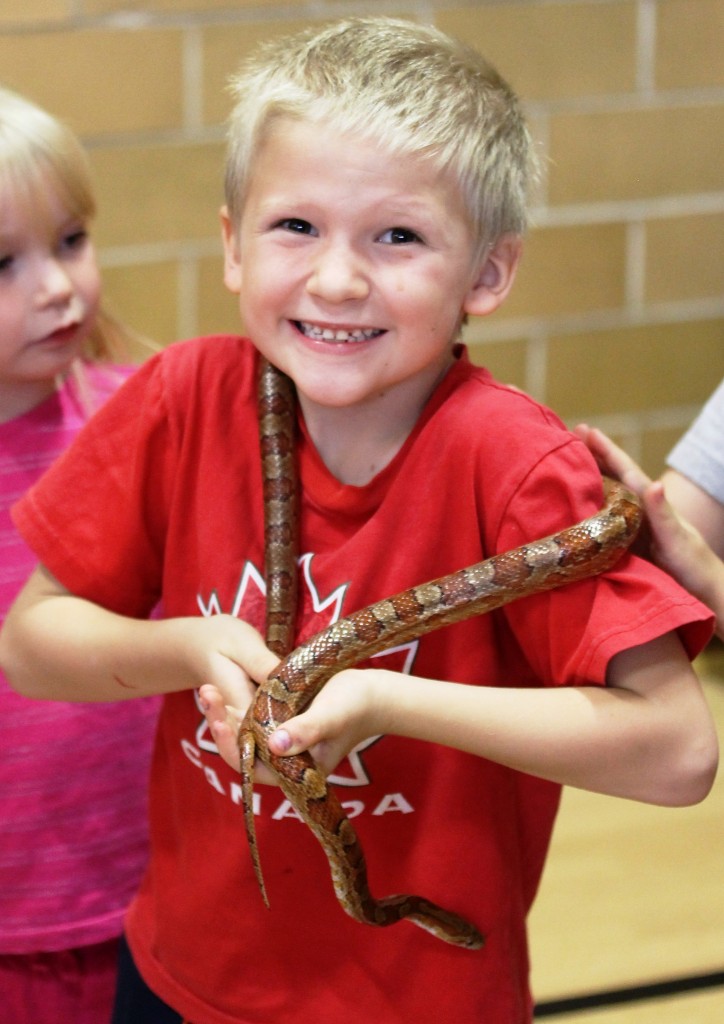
(583, 550)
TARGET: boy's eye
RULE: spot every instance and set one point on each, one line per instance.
(6, 263)
(297, 225)
(400, 236)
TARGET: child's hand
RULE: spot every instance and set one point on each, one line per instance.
(340, 716)
(612, 460)
(674, 544)
(224, 651)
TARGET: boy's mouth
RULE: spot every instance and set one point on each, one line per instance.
(337, 334)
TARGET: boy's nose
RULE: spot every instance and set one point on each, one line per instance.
(338, 276)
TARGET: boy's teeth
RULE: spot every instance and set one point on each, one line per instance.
(329, 334)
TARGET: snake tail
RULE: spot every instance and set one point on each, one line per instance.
(325, 817)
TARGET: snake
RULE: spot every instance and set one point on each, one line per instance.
(577, 552)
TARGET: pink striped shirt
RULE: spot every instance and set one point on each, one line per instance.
(73, 777)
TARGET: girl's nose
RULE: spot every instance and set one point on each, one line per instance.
(55, 285)
(338, 275)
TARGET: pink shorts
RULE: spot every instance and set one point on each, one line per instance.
(75, 985)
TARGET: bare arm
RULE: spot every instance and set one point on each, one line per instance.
(694, 504)
(647, 735)
(57, 646)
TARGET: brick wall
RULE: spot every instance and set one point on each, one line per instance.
(618, 313)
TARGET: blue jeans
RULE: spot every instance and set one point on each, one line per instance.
(135, 1003)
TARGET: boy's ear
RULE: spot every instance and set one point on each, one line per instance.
(232, 253)
(495, 276)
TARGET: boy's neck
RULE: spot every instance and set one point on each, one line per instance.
(357, 442)
(349, 450)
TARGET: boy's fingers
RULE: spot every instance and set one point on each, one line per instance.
(280, 742)
(225, 739)
(293, 737)
(209, 698)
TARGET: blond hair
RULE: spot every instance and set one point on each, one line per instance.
(412, 89)
(39, 153)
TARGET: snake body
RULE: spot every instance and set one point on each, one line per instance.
(582, 550)
(276, 403)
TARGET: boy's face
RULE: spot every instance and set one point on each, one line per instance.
(354, 268)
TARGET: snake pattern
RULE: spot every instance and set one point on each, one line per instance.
(277, 416)
(585, 549)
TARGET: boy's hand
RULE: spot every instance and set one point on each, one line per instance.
(340, 716)
(224, 651)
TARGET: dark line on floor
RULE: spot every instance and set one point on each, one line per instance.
(629, 994)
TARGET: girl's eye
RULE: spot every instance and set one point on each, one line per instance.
(6, 263)
(297, 225)
(74, 239)
(399, 236)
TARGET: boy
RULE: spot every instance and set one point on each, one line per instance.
(375, 197)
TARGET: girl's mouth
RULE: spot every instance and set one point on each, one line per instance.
(63, 334)
(337, 334)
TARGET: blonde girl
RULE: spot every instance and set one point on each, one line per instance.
(72, 776)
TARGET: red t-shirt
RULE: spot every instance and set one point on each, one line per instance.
(161, 499)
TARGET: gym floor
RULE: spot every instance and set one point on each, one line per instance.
(628, 927)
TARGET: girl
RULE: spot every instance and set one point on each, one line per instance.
(73, 777)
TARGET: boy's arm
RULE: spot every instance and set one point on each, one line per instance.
(647, 735)
(57, 646)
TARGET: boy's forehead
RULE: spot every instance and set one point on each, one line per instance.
(354, 186)
(309, 142)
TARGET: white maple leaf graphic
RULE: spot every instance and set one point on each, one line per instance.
(251, 590)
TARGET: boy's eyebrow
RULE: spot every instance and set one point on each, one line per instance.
(404, 203)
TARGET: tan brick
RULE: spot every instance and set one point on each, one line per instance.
(634, 369)
(224, 48)
(111, 6)
(684, 257)
(218, 308)
(635, 154)
(569, 270)
(145, 297)
(100, 81)
(25, 12)
(505, 360)
(655, 446)
(158, 193)
(689, 44)
(552, 50)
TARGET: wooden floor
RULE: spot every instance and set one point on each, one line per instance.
(634, 895)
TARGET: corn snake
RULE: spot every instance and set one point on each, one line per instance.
(582, 550)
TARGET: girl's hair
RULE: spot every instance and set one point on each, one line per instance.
(38, 154)
(412, 89)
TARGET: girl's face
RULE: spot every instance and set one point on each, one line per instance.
(49, 296)
(354, 269)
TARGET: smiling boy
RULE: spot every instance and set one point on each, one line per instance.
(338, 262)
(375, 197)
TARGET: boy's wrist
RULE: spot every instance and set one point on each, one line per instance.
(387, 696)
